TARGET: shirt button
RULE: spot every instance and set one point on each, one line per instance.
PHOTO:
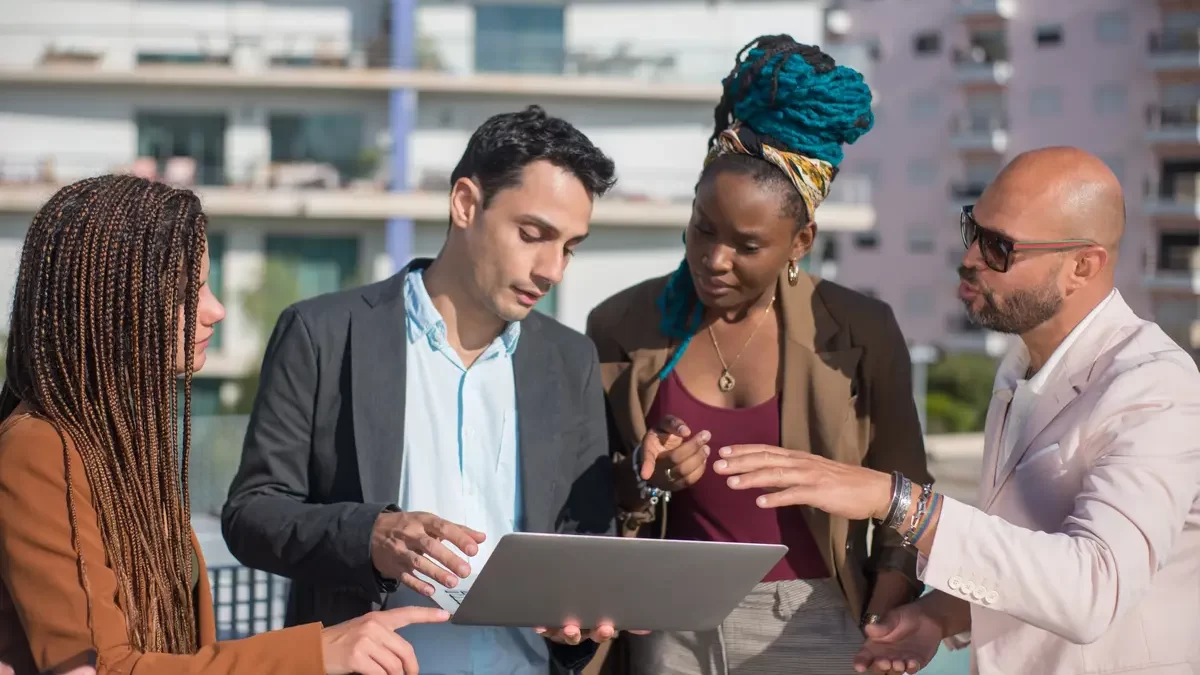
(954, 583)
(967, 588)
(992, 596)
(980, 593)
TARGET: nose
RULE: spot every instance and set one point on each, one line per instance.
(719, 259)
(211, 311)
(973, 257)
(549, 267)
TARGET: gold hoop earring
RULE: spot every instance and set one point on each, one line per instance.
(793, 273)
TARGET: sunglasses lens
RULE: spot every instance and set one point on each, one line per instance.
(994, 250)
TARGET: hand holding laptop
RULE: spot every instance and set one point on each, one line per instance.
(403, 544)
(572, 634)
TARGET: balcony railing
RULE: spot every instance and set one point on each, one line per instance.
(985, 9)
(982, 65)
(1173, 124)
(335, 43)
(980, 132)
(1173, 43)
(363, 173)
(341, 46)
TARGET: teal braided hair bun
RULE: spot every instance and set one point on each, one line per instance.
(796, 96)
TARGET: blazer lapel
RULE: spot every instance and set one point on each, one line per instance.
(378, 346)
(819, 368)
(538, 373)
(1065, 383)
(994, 424)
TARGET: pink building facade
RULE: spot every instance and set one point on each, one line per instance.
(963, 85)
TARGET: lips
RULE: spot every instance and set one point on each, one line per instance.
(712, 286)
(527, 298)
(966, 291)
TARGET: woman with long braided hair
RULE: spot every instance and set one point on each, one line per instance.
(739, 345)
(97, 556)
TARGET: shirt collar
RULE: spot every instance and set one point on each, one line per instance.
(1015, 365)
(425, 322)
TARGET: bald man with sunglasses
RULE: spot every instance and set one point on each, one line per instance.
(1083, 555)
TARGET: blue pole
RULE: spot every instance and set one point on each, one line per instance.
(402, 113)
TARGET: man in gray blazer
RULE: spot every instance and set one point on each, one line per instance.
(402, 428)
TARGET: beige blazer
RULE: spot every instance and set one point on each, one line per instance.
(1086, 555)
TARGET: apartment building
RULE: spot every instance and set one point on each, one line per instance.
(964, 85)
(321, 133)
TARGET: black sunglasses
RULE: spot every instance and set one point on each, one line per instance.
(997, 249)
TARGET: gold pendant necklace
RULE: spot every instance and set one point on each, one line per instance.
(726, 382)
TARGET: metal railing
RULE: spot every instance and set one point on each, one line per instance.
(1176, 116)
(1173, 42)
(183, 171)
(247, 602)
(978, 123)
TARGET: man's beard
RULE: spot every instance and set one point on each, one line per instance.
(1024, 309)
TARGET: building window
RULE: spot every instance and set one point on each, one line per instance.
(874, 48)
(1048, 35)
(1112, 26)
(927, 44)
(918, 301)
(921, 172)
(519, 38)
(1109, 99)
(922, 106)
(334, 140)
(921, 240)
(216, 278)
(1045, 102)
(867, 241)
(189, 149)
(301, 267)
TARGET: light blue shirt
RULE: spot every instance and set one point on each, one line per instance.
(461, 463)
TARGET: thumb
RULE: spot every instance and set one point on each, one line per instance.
(887, 625)
(649, 457)
(404, 616)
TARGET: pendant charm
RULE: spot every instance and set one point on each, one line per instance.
(726, 383)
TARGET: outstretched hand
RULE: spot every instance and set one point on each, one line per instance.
(904, 641)
(572, 634)
(793, 477)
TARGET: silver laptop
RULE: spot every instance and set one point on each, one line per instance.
(638, 584)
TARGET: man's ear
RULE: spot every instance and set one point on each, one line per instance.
(466, 200)
(1089, 263)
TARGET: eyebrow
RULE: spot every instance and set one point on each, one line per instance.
(547, 227)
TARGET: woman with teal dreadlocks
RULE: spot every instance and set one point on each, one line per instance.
(741, 346)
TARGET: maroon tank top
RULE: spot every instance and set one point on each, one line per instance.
(710, 510)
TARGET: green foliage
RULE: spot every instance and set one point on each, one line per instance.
(959, 389)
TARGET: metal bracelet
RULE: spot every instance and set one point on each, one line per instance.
(919, 515)
(901, 501)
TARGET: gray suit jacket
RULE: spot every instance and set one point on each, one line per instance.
(324, 447)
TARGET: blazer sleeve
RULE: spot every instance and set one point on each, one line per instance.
(1131, 508)
(897, 442)
(267, 520)
(39, 567)
(590, 507)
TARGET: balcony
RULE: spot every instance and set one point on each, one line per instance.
(1176, 198)
(318, 191)
(1173, 127)
(1175, 266)
(1174, 52)
(980, 133)
(981, 67)
(987, 10)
